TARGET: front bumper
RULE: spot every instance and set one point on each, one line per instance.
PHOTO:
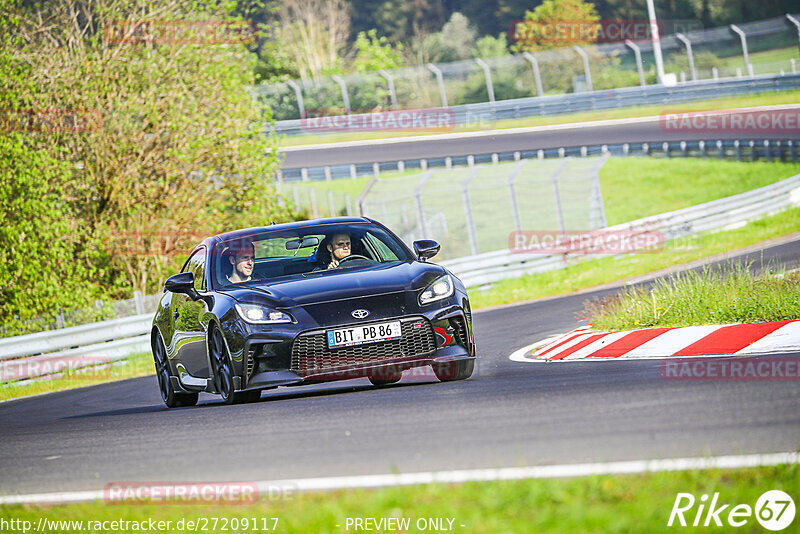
(285, 357)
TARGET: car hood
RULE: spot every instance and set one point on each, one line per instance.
(327, 286)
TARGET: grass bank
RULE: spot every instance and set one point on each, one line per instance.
(764, 99)
(626, 503)
(710, 296)
(131, 367)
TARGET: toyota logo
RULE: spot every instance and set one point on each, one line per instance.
(359, 314)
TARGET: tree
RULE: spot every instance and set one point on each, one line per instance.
(313, 33)
(490, 46)
(454, 41)
(557, 24)
(146, 107)
(373, 53)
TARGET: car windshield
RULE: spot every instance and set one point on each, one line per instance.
(308, 250)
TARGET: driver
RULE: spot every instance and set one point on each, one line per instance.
(242, 258)
(340, 248)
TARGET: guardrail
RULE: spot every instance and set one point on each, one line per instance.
(491, 267)
(487, 112)
(73, 348)
(736, 149)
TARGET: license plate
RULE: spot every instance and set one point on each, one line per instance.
(358, 335)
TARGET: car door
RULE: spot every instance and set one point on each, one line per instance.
(189, 335)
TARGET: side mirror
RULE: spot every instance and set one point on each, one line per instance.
(426, 249)
(182, 283)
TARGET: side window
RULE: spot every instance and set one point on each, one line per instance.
(197, 265)
(384, 251)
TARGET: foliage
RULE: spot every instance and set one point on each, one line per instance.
(158, 141)
(490, 46)
(43, 264)
(274, 62)
(313, 33)
(556, 24)
(455, 41)
(374, 53)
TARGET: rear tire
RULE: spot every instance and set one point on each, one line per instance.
(457, 370)
(171, 398)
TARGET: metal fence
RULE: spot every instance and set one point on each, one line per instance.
(474, 209)
(487, 113)
(138, 305)
(718, 214)
(735, 149)
(736, 50)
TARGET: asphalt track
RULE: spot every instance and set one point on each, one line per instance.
(509, 414)
(585, 134)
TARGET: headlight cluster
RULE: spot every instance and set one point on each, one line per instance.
(441, 288)
(257, 314)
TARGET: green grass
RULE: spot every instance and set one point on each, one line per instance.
(628, 183)
(730, 295)
(766, 57)
(624, 503)
(131, 367)
(766, 99)
(590, 273)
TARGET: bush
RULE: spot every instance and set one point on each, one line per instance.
(157, 140)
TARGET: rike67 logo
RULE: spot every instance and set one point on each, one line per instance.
(774, 510)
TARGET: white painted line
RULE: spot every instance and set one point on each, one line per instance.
(515, 131)
(519, 355)
(671, 341)
(465, 475)
(784, 339)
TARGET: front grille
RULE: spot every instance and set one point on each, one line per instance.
(311, 355)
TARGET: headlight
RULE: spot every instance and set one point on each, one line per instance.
(441, 288)
(254, 313)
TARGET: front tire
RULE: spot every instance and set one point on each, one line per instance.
(223, 369)
(223, 373)
(171, 398)
(457, 370)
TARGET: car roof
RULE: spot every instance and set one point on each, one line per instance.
(244, 232)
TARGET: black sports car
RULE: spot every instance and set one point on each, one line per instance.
(305, 302)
